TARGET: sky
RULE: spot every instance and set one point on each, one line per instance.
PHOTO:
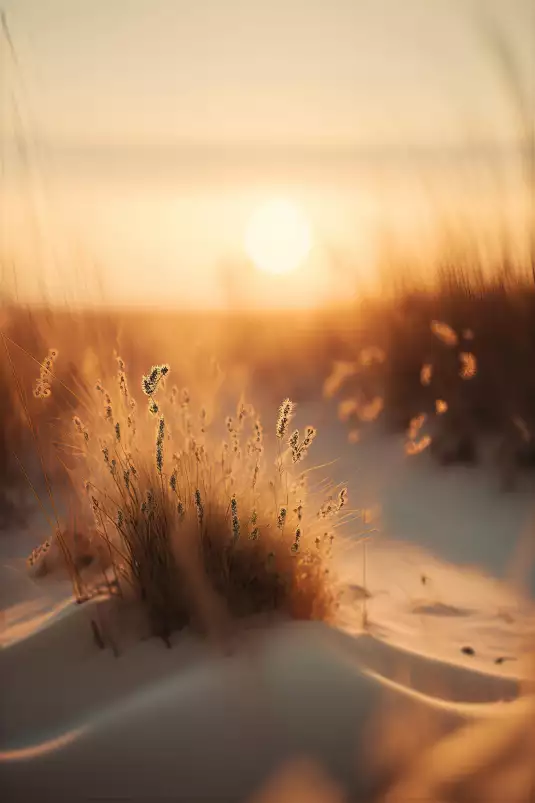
(344, 71)
(200, 109)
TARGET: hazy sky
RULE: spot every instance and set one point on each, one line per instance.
(164, 123)
(351, 71)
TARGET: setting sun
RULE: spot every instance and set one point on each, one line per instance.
(278, 237)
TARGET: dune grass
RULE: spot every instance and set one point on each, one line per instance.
(455, 352)
(493, 316)
(184, 514)
(494, 319)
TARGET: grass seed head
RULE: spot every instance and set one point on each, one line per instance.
(286, 412)
(235, 518)
(199, 506)
(444, 333)
(150, 382)
(426, 374)
(468, 365)
(342, 498)
(160, 437)
(80, 428)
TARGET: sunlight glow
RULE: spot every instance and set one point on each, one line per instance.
(278, 237)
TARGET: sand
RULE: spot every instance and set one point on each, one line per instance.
(445, 646)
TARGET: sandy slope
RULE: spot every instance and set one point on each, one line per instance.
(433, 609)
(189, 724)
(450, 561)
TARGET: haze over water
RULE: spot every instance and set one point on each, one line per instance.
(151, 132)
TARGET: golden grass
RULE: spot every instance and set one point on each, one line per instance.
(184, 511)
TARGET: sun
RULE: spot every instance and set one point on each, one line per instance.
(278, 237)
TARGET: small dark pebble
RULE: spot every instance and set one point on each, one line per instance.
(502, 659)
(468, 650)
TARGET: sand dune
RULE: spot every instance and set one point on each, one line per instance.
(444, 644)
(188, 723)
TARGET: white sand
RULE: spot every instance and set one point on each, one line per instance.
(188, 724)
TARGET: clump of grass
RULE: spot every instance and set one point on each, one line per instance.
(189, 523)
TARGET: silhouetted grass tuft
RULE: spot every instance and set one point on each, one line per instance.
(187, 525)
